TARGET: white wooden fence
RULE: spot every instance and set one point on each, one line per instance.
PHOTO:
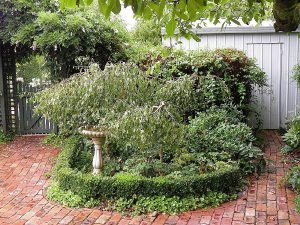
(276, 54)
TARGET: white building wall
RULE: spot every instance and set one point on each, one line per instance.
(276, 54)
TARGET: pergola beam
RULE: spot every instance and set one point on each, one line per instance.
(2, 99)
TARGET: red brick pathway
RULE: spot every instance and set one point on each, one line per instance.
(24, 161)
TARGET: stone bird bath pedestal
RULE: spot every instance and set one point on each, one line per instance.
(98, 138)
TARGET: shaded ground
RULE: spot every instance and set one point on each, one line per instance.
(24, 162)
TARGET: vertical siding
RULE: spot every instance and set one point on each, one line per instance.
(277, 54)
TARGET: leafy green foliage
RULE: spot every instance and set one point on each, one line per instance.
(170, 205)
(294, 180)
(296, 74)
(69, 40)
(139, 204)
(131, 105)
(233, 67)
(4, 138)
(217, 130)
(105, 96)
(70, 37)
(67, 198)
(19, 13)
(292, 136)
(155, 147)
(125, 185)
(181, 14)
(292, 140)
(147, 32)
(33, 69)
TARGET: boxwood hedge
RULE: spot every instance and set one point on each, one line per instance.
(124, 185)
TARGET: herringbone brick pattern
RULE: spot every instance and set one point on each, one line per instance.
(24, 162)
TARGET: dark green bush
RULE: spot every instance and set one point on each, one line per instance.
(217, 130)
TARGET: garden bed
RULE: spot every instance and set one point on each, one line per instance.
(75, 187)
(175, 131)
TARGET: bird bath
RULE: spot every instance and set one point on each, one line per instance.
(98, 138)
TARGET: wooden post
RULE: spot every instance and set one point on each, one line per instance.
(2, 100)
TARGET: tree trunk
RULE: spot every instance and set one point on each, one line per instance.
(286, 14)
(161, 154)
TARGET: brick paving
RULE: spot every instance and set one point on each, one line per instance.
(24, 162)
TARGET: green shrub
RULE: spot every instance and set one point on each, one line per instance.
(126, 185)
(296, 74)
(217, 130)
(297, 201)
(239, 72)
(102, 97)
(293, 179)
(292, 136)
(4, 138)
(145, 113)
(70, 39)
(292, 140)
(176, 136)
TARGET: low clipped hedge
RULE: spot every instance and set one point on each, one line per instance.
(127, 185)
(124, 185)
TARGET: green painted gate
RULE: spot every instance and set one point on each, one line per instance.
(29, 122)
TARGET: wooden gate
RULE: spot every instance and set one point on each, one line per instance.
(29, 122)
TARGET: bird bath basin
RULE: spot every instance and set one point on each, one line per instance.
(98, 138)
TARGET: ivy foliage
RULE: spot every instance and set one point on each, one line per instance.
(231, 66)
